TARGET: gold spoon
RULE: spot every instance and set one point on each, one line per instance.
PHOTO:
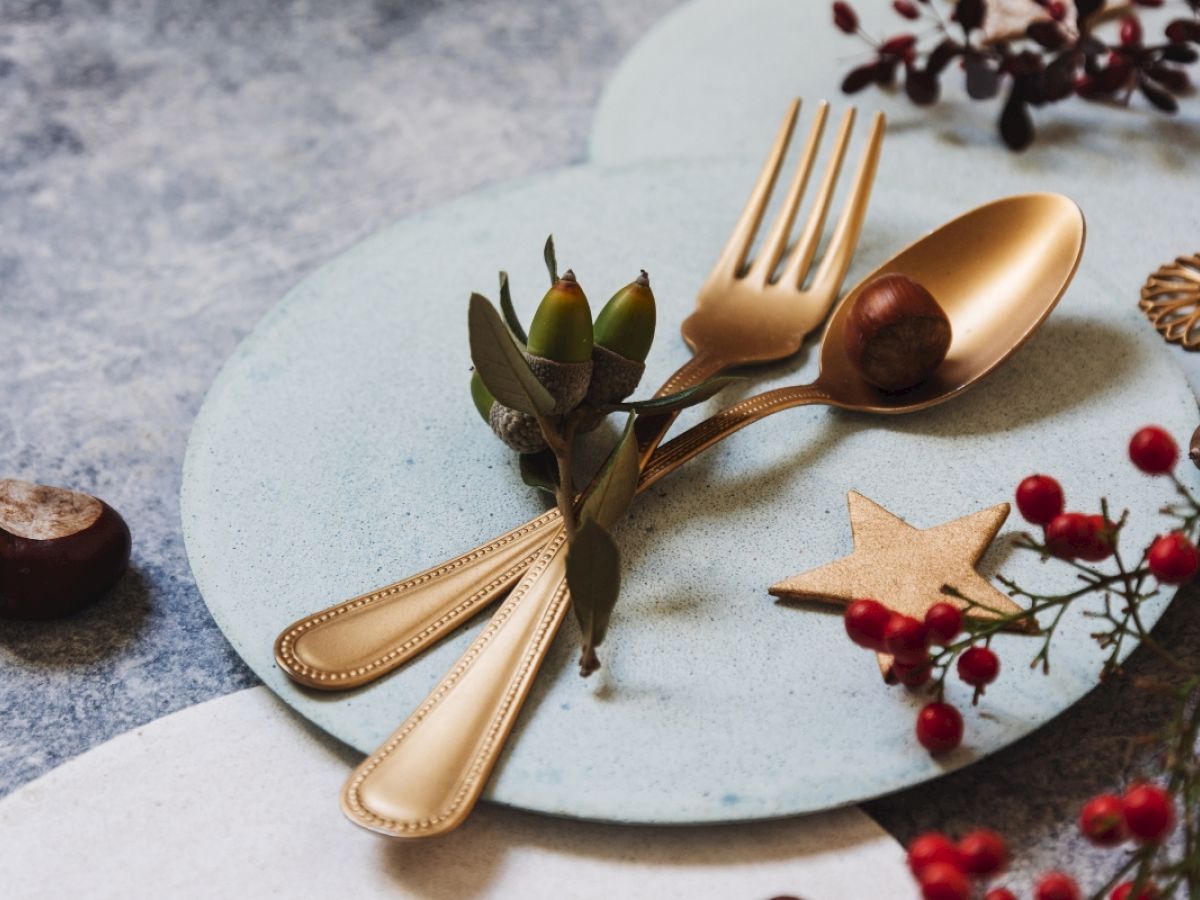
(997, 271)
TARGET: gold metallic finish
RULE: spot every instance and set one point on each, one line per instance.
(904, 567)
(739, 319)
(998, 271)
(1171, 301)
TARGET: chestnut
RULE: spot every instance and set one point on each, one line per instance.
(896, 334)
(59, 550)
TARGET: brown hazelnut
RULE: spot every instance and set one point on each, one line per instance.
(896, 334)
(59, 550)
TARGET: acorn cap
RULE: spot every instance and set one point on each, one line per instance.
(613, 377)
(482, 396)
(626, 324)
(567, 382)
(561, 329)
(518, 430)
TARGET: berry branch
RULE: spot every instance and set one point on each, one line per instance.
(1055, 58)
(958, 637)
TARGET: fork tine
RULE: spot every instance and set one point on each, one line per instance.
(776, 241)
(733, 256)
(810, 237)
(845, 236)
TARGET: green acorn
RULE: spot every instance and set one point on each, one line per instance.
(623, 333)
(560, 343)
(481, 396)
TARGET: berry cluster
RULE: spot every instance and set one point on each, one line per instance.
(949, 638)
(945, 869)
(1057, 56)
(909, 641)
(1171, 558)
(1145, 813)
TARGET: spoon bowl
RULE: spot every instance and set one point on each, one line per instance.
(997, 271)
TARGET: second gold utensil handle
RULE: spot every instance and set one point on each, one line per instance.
(428, 775)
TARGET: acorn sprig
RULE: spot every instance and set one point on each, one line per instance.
(539, 391)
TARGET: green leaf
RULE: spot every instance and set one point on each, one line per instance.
(540, 470)
(510, 314)
(690, 397)
(594, 578)
(613, 489)
(500, 362)
(551, 260)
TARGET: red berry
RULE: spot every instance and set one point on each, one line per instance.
(1149, 812)
(978, 666)
(845, 18)
(1078, 536)
(940, 881)
(932, 847)
(913, 675)
(939, 727)
(1057, 10)
(1173, 559)
(1131, 31)
(943, 622)
(1124, 891)
(1102, 821)
(1056, 886)
(906, 9)
(865, 621)
(1040, 499)
(906, 638)
(984, 852)
(1153, 450)
(999, 894)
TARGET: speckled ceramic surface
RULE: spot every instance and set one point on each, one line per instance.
(499, 855)
(338, 449)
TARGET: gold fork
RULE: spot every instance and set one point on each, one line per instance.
(428, 776)
(741, 317)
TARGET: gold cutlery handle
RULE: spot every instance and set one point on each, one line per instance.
(359, 640)
(427, 777)
(430, 773)
(355, 642)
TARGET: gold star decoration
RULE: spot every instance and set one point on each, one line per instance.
(904, 567)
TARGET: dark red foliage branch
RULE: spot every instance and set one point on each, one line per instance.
(1094, 59)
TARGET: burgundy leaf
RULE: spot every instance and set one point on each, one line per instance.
(921, 86)
(941, 55)
(859, 78)
(1174, 80)
(1016, 125)
(969, 14)
(1183, 30)
(1156, 95)
(1180, 53)
(886, 76)
(1059, 80)
(1046, 33)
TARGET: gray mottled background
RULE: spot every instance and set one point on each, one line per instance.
(167, 170)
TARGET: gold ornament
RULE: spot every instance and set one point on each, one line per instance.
(904, 567)
(1171, 300)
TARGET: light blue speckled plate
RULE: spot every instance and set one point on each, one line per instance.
(338, 450)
